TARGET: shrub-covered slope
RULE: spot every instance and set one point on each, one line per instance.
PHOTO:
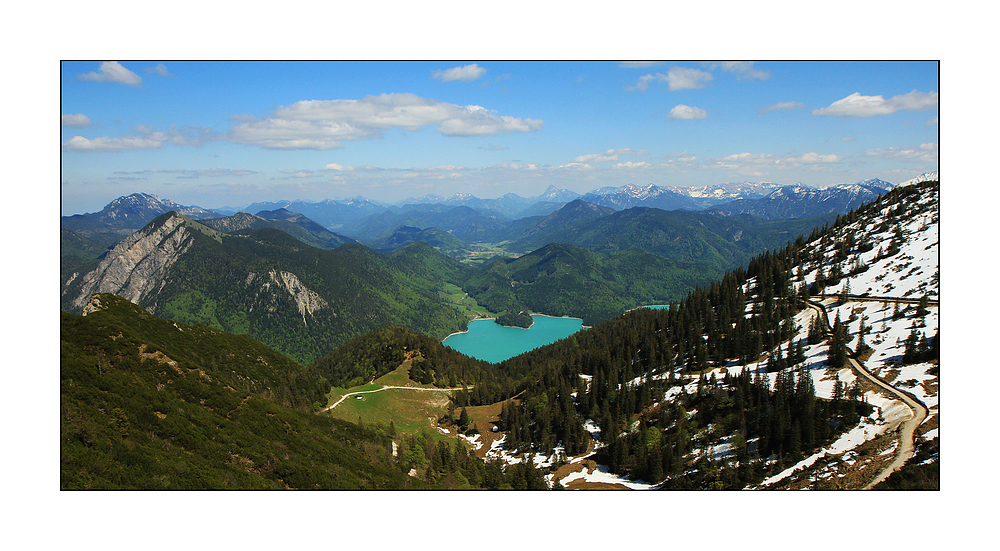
(147, 403)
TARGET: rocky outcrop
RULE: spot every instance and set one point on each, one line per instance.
(136, 267)
(307, 300)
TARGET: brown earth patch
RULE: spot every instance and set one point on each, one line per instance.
(588, 466)
(835, 473)
(929, 424)
(485, 418)
(584, 485)
(930, 386)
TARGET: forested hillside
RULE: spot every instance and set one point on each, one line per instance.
(720, 391)
(563, 280)
(151, 404)
(298, 299)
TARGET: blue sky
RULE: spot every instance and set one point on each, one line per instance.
(219, 134)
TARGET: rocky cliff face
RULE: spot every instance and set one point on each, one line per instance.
(135, 268)
(307, 300)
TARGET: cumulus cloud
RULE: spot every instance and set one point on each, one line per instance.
(685, 112)
(112, 71)
(466, 73)
(781, 106)
(110, 144)
(856, 105)
(746, 159)
(512, 166)
(160, 69)
(76, 120)
(185, 135)
(180, 135)
(293, 134)
(743, 70)
(677, 78)
(323, 124)
(609, 155)
(630, 164)
(190, 173)
(925, 152)
(293, 173)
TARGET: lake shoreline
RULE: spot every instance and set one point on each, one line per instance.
(495, 343)
(494, 320)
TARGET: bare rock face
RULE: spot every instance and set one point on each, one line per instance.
(307, 300)
(136, 267)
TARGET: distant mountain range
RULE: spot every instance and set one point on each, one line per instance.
(763, 199)
(515, 224)
(132, 212)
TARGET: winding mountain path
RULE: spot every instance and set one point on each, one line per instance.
(349, 394)
(908, 429)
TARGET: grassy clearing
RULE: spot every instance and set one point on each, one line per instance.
(337, 392)
(456, 297)
(408, 410)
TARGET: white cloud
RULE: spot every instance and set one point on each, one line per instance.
(744, 70)
(292, 173)
(112, 71)
(160, 69)
(856, 105)
(813, 158)
(189, 173)
(784, 105)
(686, 112)
(677, 78)
(76, 120)
(335, 166)
(630, 164)
(466, 73)
(110, 144)
(681, 78)
(925, 152)
(747, 160)
(512, 166)
(595, 158)
(185, 135)
(609, 155)
(323, 124)
(296, 134)
(577, 166)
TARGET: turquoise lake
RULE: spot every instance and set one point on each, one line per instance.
(486, 340)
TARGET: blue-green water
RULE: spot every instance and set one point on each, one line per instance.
(486, 340)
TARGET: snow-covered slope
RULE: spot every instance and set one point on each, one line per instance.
(884, 258)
